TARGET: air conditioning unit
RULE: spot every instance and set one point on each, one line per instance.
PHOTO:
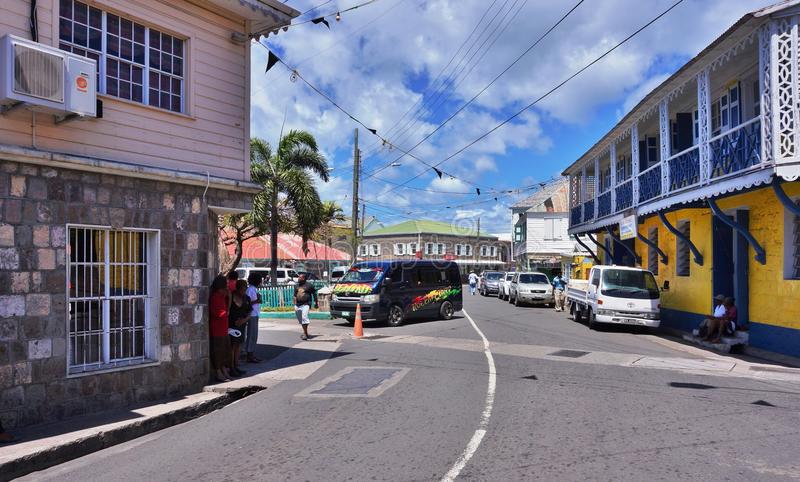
(46, 79)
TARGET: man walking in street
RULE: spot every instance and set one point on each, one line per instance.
(304, 294)
(559, 292)
(473, 282)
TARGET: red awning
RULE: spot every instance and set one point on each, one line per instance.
(290, 247)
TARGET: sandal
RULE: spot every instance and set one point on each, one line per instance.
(253, 359)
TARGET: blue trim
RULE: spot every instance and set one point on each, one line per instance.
(604, 248)
(578, 239)
(784, 199)
(777, 339)
(698, 258)
(637, 259)
(761, 255)
(653, 245)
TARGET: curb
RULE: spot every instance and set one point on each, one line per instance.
(59, 454)
(285, 315)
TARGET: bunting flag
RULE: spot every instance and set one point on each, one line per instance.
(271, 61)
(438, 172)
(478, 190)
(321, 20)
(374, 131)
(495, 199)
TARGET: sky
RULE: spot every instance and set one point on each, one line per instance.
(404, 66)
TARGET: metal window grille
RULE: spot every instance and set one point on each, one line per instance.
(682, 262)
(652, 254)
(111, 312)
(134, 62)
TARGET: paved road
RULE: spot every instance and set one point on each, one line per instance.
(602, 415)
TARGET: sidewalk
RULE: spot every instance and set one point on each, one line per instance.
(47, 445)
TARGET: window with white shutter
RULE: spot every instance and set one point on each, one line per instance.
(493, 251)
(412, 248)
(362, 250)
(399, 249)
(428, 248)
(375, 249)
(468, 250)
(440, 248)
(549, 228)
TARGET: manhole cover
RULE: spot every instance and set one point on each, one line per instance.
(569, 353)
(356, 382)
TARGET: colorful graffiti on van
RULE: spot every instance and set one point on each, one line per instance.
(358, 288)
(434, 296)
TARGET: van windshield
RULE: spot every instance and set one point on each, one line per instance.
(362, 275)
(623, 283)
(533, 279)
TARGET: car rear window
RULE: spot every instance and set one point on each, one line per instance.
(533, 278)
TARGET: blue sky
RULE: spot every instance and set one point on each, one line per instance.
(380, 60)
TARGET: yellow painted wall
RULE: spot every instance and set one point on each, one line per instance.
(686, 293)
(773, 300)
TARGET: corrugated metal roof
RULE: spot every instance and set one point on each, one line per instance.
(424, 226)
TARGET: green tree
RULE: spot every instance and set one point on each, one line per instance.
(331, 220)
(289, 198)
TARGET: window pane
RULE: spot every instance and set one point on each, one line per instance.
(138, 53)
(124, 89)
(176, 103)
(112, 24)
(80, 35)
(65, 30)
(112, 45)
(124, 71)
(166, 63)
(137, 74)
(138, 33)
(126, 29)
(126, 49)
(65, 8)
(155, 39)
(154, 98)
(166, 43)
(95, 39)
(177, 47)
(165, 83)
(177, 66)
(111, 86)
(136, 93)
(81, 13)
(111, 68)
(96, 18)
(155, 59)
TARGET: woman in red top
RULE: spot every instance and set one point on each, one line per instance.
(218, 305)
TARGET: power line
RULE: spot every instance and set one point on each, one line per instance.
(546, 94)
(321, 18)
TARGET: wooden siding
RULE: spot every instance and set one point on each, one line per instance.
(212, 135)
(536, 242)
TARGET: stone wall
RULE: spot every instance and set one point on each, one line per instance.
(36, 204)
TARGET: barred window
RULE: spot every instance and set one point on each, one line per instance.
(652, 254)
(134, 62)
(682, 261)
(792, 242)
(112, 280)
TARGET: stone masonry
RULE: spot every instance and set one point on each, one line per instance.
(36, 204)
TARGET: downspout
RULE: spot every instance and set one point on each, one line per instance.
(761, 255)
(637, 259)
(698, 258)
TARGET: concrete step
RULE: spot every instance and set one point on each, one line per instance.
(740, 338)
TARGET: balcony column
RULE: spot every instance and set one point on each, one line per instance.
(635, 163)
(583, 193)
(765, 88)
(597, 178)
(664, 134)
(704, 123)
(612, 156)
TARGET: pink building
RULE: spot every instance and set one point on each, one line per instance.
(124, 133)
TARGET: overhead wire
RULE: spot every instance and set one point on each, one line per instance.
(547, 94)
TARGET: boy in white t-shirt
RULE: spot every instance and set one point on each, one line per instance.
(251, 333)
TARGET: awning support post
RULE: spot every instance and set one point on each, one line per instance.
(661, 254)
(601, 245)
(587, 248)
(636, 258)
(783, 198)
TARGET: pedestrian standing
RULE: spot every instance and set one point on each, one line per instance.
(304, 295)
(218, 303)
(251, 341)
(559, 292)
(233, 276)
(473, 282)
(238, 318)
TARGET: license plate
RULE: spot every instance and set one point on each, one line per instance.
(632, 321)
(345, 313)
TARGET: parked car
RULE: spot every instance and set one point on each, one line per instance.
(489, 283)
(505, 286)
(338, 272)
(616, 294)
(394, 291)
(531, 288)
(285, 275)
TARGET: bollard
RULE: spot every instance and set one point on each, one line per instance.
(358, 327)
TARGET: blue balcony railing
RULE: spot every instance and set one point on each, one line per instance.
(604, 204)
(588, 210)
(575, 215)
(624, 195)
(737, 149)
(650, 183)
(684, 169)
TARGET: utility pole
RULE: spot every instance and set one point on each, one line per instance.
(478, 245)
(356, 172)
(363, 217)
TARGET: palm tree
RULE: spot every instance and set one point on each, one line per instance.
(289, 195)
(332, 216)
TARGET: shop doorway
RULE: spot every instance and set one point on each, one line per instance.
(730, 262)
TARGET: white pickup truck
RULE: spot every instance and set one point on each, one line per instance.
(616, 294)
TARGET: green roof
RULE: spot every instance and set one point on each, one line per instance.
(423, 226)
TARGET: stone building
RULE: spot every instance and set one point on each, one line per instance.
(423, 239)
(107, 221)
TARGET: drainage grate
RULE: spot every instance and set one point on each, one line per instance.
(569, 353)
(356, 382)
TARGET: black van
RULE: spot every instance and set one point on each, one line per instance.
(393, 291)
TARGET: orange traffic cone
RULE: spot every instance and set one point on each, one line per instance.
(358, 328)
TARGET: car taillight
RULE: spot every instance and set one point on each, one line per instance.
(658, 306)
(599, 302)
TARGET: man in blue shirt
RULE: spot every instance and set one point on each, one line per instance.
(559, 292)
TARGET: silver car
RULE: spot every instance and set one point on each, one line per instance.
(531, 288)
(505, 286)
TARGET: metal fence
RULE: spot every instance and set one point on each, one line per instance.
(282, 295)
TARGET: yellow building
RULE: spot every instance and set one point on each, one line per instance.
(701, 177)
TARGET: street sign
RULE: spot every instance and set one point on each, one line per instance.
(627, 227)
(449, 257)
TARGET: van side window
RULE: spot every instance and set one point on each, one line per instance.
(454, 276)
(596, 278)
(429, 277)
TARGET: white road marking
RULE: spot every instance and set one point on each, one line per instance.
(477, 437)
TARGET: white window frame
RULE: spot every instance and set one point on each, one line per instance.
(374, 249)
(152, 302)
(104, 56)
(468, 250)
(441, 249)
(412, 248)
(399, 249)
(429, 248)
(363, 250)
(484, 250)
